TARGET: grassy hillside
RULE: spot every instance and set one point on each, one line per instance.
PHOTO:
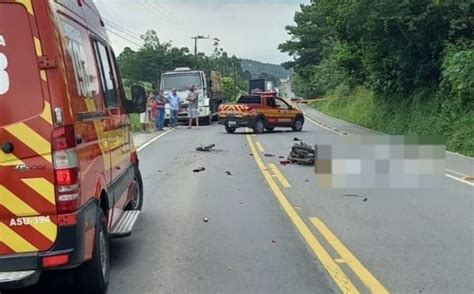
(424, 116)
(256, 68)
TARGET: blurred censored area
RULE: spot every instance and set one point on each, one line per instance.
(379, 161)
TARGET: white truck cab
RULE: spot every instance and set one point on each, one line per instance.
(207, 85)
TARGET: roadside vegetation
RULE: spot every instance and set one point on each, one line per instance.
(403, 67)
(155, 57)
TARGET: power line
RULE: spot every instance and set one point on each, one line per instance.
(121, 27)
(150, 10)
(124, 38)
(170, 15)
(123, 31)
(163, 15)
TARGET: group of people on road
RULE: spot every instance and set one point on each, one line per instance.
(156, 109)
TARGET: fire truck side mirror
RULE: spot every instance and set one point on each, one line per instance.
(138, 102)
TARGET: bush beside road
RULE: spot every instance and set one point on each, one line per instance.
(421, 116)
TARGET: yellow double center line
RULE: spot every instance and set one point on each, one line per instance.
(334, 270)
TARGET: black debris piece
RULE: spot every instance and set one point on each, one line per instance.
(269, 155)
(296, 139)
(281, 157)
(357, 196)
(302, 153)
(229, 173)
(200, 169)
(205, 148)
(206, 219)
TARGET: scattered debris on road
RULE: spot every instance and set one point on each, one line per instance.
(356, 196)
(274, 241)
(285, 162)
(302, 154)
(200, 169)
(206, 219)
(251, 154)
(207, 148)
(269, 155)
(307, 180)
(229, 173)
(297, 139)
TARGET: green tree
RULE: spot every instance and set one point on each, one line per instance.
(231, 91)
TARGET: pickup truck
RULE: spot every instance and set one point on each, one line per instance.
(260, 111)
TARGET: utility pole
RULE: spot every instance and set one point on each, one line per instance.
(196, 38)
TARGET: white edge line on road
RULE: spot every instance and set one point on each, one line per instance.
(460, 155)
(448, 170)
(153, 140)
(460, 180)
(321, 126)
(456, 173)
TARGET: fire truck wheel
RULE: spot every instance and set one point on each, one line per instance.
(259, 126)
(93, 276)
(298, 124)
(136, 203)
(230, 130)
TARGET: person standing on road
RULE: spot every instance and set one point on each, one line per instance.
(174, 107)
(145, 116)
(160, 110)
(153, 112)
(193, 99)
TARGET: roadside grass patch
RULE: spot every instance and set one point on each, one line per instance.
(420, 115)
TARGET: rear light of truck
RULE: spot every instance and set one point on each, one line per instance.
(66, 169)
(55, 260)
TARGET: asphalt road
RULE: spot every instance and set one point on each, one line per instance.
(268, 235)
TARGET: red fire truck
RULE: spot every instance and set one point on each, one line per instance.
(69, 176)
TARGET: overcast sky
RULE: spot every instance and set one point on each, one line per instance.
(247, 28)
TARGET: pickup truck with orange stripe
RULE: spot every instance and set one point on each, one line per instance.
(69, 172)
(260, 111)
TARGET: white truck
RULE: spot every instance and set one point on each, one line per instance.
(208, 84)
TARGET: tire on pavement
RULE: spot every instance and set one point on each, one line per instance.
(259, 126)
(93, 276)
(230, 130)
(270, 129)
(136, 203)
(298, 124)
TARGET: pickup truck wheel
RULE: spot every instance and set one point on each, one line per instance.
(230, 130)
(269, 129)
(259, 126)
(298, 124)
(93, 276)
